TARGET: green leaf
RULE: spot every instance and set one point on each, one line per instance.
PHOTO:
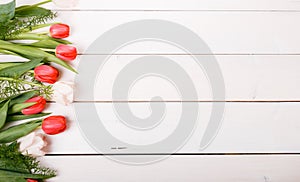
(26, 19)
(21, 98)
(8, 64)
(18, 70)
(13, 161)
(45, 43)
(3, 114)
(27, 10)
(32, 52)
(61, 41)
(23, 117)
(18, 107)
(13, 97)
(7, 11)
(15, 132)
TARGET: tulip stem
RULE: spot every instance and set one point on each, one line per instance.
(43, 25)
(34, 5)
(48, 50)
(28, 36)
(41, 3)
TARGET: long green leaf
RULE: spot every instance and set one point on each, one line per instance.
(27, 10)
(18, 107)
(13, 97)
(8, 64)
(18, 70)
(15, 132)
(3, 114)
(32, 52)
(23, 117)
(46, 43)
(22, 97)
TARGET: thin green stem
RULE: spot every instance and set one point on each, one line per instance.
(28, 36)
(34, 5)
(43, 25)
(41, 3)
(48, 50)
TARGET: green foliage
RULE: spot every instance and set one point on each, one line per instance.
(18, 70)
(25, 19)
(7, 11)
(15, 132)
(26, 82)
(19, 117)
(15, 166)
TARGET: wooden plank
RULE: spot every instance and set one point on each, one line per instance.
(246, 128)
(246, 78)
(180, 5)
(223, 32)
(257, 168)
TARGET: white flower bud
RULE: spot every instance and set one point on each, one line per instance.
(33, 144)
(63, 92)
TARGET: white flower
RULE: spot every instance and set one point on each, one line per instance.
(65, 3)
(33, 144)
(63, 92)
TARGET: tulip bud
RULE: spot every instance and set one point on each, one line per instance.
(65, 52)
(45, 73)
(60, 31)
(32, 180)
(36, 108)
(54, 124)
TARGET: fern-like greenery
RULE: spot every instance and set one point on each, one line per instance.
(13, 164)
(14, 86)
(21, 25)
(26, 18)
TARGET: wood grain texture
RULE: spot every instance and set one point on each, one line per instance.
(256, 44)
(256, 168)
(246, 128)
(180, 5)
(246, 78)
(223, 32)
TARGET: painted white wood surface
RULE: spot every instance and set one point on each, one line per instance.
(257, 168)
(180, 5)
(230, 28)
(246, 78)
(246, 128)
(223, 32)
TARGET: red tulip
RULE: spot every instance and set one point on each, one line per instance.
(31, 180)
(60, 31)
(45, 73)
(65, 52)
(36, 108)
(54, 124)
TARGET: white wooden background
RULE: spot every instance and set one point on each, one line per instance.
(257, 45)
